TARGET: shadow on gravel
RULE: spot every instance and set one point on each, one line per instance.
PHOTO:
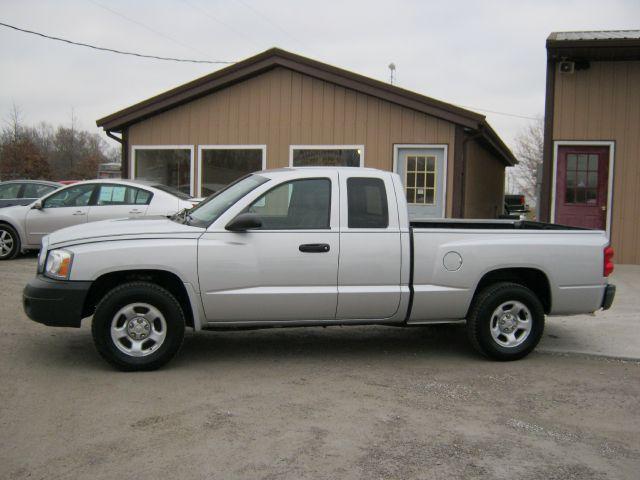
(331, 342)
(74, 349)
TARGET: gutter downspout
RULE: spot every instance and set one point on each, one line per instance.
(123, 155)
(474, 136)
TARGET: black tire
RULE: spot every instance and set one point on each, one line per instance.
(480, 318)
(127, 294)
(10, 233)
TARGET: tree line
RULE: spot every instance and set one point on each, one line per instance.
(46, 152)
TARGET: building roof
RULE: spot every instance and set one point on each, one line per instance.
(595, 45)
(276, 57)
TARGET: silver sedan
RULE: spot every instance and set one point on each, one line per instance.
(22, 227)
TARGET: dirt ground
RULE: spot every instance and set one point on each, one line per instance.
(334, 403)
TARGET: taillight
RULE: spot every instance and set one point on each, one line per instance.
(607, 268)
(521, 199)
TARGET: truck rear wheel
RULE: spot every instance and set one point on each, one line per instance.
(138, 326)
(506, 321)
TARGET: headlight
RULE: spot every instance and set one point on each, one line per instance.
(58, 264)
(42, 256)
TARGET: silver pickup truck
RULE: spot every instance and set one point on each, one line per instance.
(309, 247)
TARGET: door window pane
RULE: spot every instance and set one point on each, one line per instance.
(581, 178)
(74, 196)
(300, 204)
(367, 199)
(329, 157)
(10, 190)
(171, 167)
(420, 180)
(220, 167)
(36, 190)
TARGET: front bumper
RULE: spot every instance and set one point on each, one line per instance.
(55, 303)
(609, 295)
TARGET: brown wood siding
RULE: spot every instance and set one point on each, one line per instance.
(281, 108)
(484, 183)
(603, 103)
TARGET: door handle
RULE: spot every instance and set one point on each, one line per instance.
(79, 212)
(314, 247)
(135, 211)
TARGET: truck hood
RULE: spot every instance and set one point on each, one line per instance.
(123, 228)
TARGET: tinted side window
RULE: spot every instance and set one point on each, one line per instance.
(143, 197)
(367, 200)
(36, 190)
(74, 196)
(295, 205)
(10, 190)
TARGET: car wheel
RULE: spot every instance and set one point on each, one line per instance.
(9, 242)
(138, 326)
(506, 321)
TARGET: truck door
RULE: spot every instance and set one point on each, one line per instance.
(370, 247)
(284, 271)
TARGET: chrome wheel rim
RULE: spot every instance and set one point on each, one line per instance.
(6, 243)
(138, 329)
(511, 324)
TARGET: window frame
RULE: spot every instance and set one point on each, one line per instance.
(192, 163)
(325, 147)
(426, 172)
(266, 192)
(201, 148)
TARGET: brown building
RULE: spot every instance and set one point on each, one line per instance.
(278, 109)
(592, 135)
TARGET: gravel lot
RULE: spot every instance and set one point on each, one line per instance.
(334, 403)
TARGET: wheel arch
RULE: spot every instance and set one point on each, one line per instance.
(164, 278)
(533, 278)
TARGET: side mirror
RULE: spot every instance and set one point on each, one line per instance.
(243, 222)
(37, 205)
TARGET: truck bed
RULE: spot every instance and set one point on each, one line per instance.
(473, 224)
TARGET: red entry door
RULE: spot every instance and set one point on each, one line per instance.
(582, 181)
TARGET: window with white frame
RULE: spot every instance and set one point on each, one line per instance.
(221, 165)
(420, 179)
(171, 166)
(327, 156)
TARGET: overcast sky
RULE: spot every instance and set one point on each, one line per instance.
(486, 55)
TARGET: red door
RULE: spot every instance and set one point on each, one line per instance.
(581, 186)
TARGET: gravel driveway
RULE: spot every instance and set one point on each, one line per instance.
(334, 403)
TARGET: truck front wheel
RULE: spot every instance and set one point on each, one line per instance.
(506, 321)
(138, 326)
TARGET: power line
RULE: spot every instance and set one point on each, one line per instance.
(267, 19)
(112, 50)
(217, 20)
(147, 27)
(499, 113)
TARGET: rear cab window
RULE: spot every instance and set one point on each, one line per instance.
(367, 203)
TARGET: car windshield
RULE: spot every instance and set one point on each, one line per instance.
(208, 211)
(173, 191)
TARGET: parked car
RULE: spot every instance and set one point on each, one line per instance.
(24, 192)
(313, 246)
(22, 227)
(515, 206)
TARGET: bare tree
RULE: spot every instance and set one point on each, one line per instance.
(528, 150)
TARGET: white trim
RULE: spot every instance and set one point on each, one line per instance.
(326, 147)
(421, 146)
(226, 147)
(192, 163)
(584, 143)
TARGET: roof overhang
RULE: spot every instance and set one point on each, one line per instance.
(602, 49)
(275, 58)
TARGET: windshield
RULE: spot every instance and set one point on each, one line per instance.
(208, 211)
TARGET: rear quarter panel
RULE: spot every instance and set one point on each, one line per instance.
(571, 260)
